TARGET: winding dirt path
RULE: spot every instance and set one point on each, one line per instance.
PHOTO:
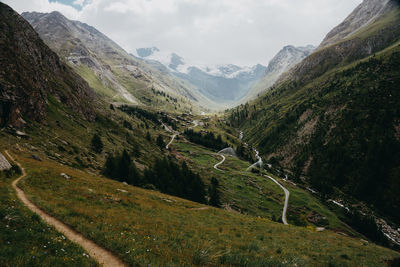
(101, 255)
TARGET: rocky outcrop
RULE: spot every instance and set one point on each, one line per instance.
(4, 164)
(366, 13)
(31, 73)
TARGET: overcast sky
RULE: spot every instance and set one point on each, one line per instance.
(243, 32)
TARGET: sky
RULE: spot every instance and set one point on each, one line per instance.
(242, 32)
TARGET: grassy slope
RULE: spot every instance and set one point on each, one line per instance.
(327, 99)
(147, 227)
(251, 193)
(27, 241)
(305, 123)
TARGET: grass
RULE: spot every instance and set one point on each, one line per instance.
(254, 194)
(146, 227)
(27, 241)
(94, 82)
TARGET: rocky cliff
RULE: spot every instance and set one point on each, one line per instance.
(31, 73)
(371, 27)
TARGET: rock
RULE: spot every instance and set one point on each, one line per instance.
(4, 164)
(35, 157)
(67, 177)
(19, 133)
(65, 142)
(122, 190)
(317, 219)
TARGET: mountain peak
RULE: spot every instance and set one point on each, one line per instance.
(146, 51)
(365, 14)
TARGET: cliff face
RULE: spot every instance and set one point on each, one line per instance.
(31, 72)
(366, 13)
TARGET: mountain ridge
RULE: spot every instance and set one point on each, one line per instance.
(282, 62)
(324, 119)
(116, 75)
(33, 73)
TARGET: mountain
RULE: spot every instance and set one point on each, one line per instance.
(81, 167)
(361, 17)
(286, 58)
(112, 72)
(371, 27)
(226, 84)
(333, 119)
(32, 76)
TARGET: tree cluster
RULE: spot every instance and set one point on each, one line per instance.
(165, 175)
(140, 113)
(208, 139)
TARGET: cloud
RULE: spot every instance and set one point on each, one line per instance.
(78, 2)
(243, 32)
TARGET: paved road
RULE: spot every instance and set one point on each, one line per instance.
(287, 193)
(195, 124)
(259, 163)
(172, 140)
(219, 163)
(101, 255)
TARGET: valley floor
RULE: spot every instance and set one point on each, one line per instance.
(145, 227)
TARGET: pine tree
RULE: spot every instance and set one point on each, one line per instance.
(148, 137)
(160, 142)
(214, 193)
(110, 167)
(97, 144)
(124, 165)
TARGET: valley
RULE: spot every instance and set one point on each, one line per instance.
(116, 158)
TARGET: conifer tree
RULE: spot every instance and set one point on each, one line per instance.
(97, 144)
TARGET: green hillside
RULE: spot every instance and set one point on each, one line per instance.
(339, 129)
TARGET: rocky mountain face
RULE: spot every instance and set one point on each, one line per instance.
(80, 44)
(286, 58)
(371, 27)
(222, 83)
(333, 119)
(31, 73)
(111, 71)
(366, 13)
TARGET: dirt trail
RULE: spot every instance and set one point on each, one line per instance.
(101, 255)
